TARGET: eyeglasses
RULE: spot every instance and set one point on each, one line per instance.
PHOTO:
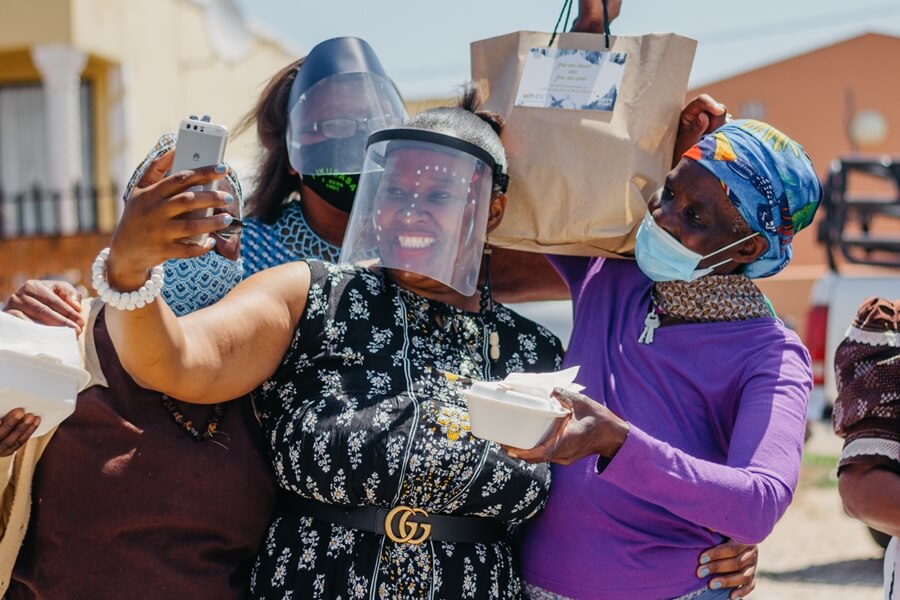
(233, 229)
(346, 127)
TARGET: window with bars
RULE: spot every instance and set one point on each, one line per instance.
(28, 204)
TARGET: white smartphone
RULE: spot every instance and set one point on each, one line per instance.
(200, 143)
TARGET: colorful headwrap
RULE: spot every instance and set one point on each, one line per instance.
(194, 283)
(867, 371)
(769, 179)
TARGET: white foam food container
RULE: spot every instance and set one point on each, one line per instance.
(510, 417)
(41, 385)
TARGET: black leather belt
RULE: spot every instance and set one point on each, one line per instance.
(401, 524)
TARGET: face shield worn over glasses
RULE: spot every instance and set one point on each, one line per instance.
(340, 96)
(422, 206)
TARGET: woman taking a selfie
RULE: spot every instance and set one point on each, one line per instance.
(356, 420)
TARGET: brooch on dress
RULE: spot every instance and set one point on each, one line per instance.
(454, 422)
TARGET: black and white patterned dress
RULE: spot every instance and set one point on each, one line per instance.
(354, 416)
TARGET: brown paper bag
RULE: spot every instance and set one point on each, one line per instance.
(580, 179)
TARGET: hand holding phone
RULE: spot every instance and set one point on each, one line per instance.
(200, 143)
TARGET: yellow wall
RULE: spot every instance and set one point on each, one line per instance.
(16, 67)
(173, 69)
(164, 47)
(96, 72)
(28, 22)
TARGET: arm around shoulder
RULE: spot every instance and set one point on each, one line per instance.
(518, 276)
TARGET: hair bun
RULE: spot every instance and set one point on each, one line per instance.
(472, 101)
(492, 119)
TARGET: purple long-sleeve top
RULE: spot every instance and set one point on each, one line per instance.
(717, 414)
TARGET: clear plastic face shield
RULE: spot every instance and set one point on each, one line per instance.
(329, 123)
(422, 206)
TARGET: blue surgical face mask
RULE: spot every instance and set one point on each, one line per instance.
(195, 283)
(663, 258)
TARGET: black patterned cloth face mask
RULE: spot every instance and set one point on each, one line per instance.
(337, 189)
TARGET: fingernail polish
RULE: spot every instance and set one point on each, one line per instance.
(704, 559)
(229, 198)
(227, 219)
(704, 572)
(221, 168)
(716, 585)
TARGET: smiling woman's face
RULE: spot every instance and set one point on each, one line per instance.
(419, 207)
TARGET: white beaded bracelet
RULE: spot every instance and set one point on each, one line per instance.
(139, 298)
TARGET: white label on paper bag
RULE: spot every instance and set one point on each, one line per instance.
(572, 79)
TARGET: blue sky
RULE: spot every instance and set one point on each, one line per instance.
(424, 45)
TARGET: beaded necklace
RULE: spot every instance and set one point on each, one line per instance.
(212, 424)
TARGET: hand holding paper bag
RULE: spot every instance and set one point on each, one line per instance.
(701, 115)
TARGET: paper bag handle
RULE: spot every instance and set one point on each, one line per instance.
(567, 10)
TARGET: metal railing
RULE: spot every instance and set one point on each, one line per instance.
(37, 211)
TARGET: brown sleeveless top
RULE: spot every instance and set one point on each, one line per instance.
(127, 505)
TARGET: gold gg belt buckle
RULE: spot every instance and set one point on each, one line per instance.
(406, 530)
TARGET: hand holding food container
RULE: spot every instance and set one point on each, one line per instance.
(540, 417)
(519, 410)
(40, 370)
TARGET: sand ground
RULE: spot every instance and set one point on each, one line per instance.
(816, 551)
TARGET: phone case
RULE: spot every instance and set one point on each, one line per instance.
(199, 144)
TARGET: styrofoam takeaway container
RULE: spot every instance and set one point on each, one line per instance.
(510, 417)
(41, 385)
